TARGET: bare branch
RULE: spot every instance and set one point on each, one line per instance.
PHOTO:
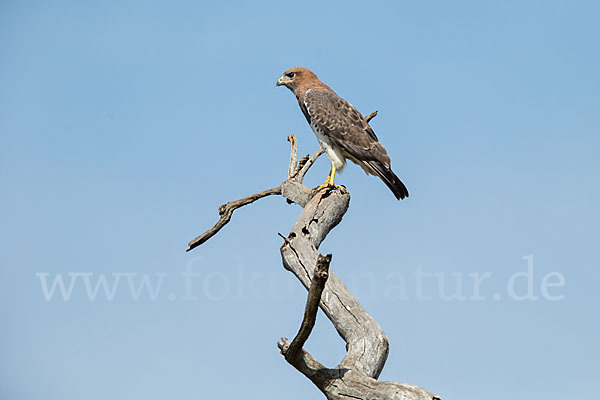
(312, 303)
(293, 155)
(292, 189)
(369, 117)
(226, 211)
(306, 364)
(302, 162)
(309, 163)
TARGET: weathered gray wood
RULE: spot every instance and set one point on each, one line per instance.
(226, 211)
(355, 377)
(367, 344)
(310, 312)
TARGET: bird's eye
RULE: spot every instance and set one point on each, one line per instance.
(290, 74)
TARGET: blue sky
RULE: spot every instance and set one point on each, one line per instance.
(124, 125)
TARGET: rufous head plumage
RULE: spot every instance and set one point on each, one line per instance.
(297, 77)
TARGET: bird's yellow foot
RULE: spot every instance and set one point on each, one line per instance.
(329, 185)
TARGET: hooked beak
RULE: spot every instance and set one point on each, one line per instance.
(282, 80)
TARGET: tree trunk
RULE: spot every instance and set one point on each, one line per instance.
(366, 344)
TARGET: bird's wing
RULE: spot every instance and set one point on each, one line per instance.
(344, 125)
(346, 128)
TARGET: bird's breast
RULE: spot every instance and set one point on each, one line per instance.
(334, 153)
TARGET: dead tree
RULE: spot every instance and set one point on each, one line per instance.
(366, 343)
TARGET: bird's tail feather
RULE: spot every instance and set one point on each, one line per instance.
(390, 179)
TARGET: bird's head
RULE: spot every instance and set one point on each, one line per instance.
(294, 77)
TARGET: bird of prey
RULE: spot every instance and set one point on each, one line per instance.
(340, 129)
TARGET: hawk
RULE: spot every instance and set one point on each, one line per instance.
(340, 129)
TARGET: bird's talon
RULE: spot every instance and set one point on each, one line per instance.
(327, 186)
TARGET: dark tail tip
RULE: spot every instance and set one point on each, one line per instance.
(391, 180)
(400, 191)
